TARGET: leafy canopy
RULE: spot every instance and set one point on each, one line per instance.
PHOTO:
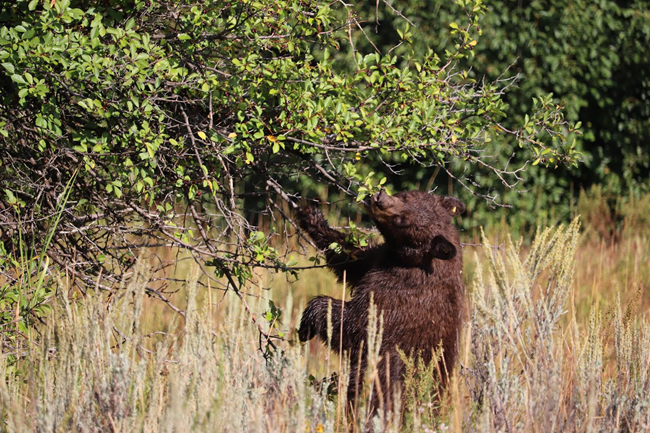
(180, 119)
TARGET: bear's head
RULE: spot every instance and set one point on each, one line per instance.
(417, 226)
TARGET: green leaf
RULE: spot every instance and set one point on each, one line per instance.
(11, 198)
(18, 79)
(9, 67)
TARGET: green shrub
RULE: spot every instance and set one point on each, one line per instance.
(182, 122)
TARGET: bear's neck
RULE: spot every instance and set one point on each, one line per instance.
(409, 257)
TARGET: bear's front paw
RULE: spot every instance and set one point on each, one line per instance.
(310, 216)
(311, 317)
(306, 331)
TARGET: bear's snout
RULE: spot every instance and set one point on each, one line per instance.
(382, 205)
(383, 200)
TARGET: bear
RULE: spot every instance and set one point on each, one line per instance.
(414, 279)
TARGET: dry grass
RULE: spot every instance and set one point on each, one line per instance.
(557, 338)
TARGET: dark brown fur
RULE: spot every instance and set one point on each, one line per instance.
(415, 279)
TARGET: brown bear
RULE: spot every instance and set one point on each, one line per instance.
(414, 278)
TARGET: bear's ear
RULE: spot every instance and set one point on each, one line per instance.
(442, 249)
(453, 205)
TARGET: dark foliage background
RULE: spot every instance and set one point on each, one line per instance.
(591, 55)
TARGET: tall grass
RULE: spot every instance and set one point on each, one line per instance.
(531, 359)
(24, 286)
(96, 372)
(532, 367)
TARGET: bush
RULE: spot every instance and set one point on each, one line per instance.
(181, 122)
